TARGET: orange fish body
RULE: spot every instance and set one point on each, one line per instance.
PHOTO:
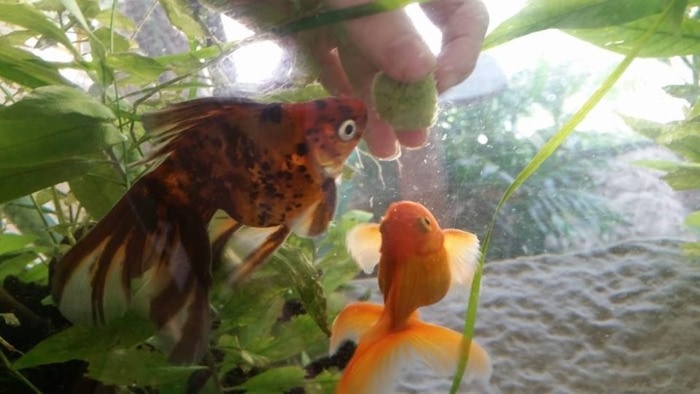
(418, 263)
(271, 167)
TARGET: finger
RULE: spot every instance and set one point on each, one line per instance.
(390, 42)
(379, 136)
(322, 47)
(413, 138)
(381, 139)
(463, 24)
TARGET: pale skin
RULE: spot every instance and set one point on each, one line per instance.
(389, 42)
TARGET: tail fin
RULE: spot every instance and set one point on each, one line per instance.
(353, 321)
(383, 353)
(147, 256)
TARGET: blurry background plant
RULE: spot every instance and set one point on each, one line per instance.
(493, 139)
(683, 138)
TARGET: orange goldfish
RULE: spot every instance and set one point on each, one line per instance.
(272, 168)
(418, 263)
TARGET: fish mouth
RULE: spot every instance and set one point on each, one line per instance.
(331, 166)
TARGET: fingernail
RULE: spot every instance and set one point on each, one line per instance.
(389, 154)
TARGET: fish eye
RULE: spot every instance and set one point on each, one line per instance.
(347, 130)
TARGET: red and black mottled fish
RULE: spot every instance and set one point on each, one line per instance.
(271, 167)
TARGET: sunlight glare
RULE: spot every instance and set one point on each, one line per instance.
(255, 63)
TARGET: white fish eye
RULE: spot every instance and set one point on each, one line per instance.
(347, 130)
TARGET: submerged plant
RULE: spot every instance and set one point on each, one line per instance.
(71, 144)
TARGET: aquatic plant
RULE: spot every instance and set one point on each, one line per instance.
(70, 145)
(683, 137)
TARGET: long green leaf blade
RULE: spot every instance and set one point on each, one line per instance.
(28, 17)
(540, 15)
(54, 124)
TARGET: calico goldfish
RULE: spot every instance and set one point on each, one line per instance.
(272, 169)
(418, 263)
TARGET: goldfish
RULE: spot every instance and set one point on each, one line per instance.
(271, 168)
(418, 264)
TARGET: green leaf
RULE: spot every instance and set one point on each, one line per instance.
(691, 249)
(16, 182)
(14, 242)
(684, 178)
(28, 17)
(289, 339)
(276, 380)
(99, 189)
(72, 7)
(539, 15)
(661, 165)
(138, 367)
(677, 131)
(693, 220)
(668, 40)
(687, 92)
(16, 38)
(53, 124)
(644, 127)
(299, 273)
(119, 21)
(181, 16)
(15, 265)
(24, 216)
(35, 273)
(26, 69)
(83, 343)
(113, 40)
(146, 69)
(187, 62)
(251, 312)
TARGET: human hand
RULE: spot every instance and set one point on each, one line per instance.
(388, 42)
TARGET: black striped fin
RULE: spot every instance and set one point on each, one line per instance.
(144, 256)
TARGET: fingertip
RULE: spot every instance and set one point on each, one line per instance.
(408, 59)
(413, 139)
(381, 140)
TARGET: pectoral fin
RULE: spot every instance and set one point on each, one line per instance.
(244, 246)
(364, 243)
(315, 219)
(462, 252)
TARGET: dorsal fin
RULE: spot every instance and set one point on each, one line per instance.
(169, 123)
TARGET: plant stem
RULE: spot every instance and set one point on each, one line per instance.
(43, 219)
(17, 374)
